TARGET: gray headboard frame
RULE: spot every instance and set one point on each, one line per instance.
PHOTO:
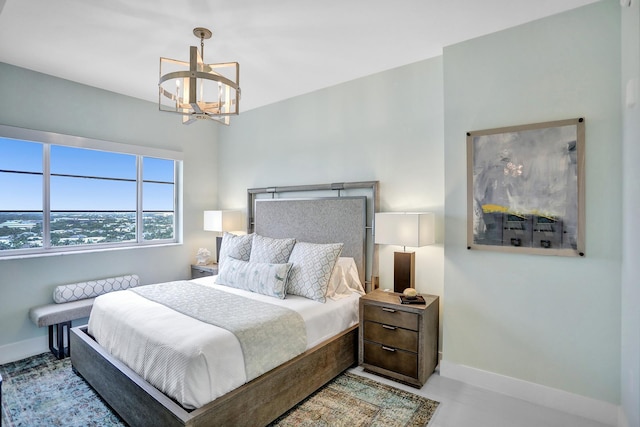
(322, 213)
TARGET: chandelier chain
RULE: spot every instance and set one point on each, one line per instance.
(202, 46)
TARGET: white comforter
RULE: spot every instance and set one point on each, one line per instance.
(189, 360)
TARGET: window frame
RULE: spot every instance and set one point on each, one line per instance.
(140, 152)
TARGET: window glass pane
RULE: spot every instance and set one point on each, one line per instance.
(75, 228)
(20, 230)
(88, 194)
(158, 200)
(80, 161)
(157, 197)
(20, 192)
(20, 155)
(92, 195)
(157, 169)
(157, 226)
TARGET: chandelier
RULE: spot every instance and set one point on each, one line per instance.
(198, 90)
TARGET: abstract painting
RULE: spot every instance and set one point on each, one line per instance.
(525, 188)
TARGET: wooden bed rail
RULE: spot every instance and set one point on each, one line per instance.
(256, 403)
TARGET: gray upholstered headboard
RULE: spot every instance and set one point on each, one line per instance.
(327, 220)
(314, 217)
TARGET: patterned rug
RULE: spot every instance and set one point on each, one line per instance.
(44, 391)
(351, 400)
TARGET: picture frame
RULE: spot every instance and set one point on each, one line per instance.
(526, 189)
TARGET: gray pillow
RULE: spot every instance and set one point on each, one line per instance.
(312, 267)
(268, 249)
(237, 247)
(263, 278)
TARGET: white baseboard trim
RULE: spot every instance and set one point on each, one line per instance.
(23, 349)
(622, 419)
(593, 409)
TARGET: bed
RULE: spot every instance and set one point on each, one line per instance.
(259, 401)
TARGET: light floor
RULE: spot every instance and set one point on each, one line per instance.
(463, 405)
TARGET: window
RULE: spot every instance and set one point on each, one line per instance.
(58, 197)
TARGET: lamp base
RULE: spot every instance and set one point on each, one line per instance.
(404, 267)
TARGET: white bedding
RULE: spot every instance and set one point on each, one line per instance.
(189, 360)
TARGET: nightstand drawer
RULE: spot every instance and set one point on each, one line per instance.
(198, 271)
(391, 316)
(392, 359)
(391, 336)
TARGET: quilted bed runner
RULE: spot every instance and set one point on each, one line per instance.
(268, 334)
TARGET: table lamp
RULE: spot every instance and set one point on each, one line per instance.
(404, 229)
(221, 221)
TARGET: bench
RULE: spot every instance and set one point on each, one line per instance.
(71, 302)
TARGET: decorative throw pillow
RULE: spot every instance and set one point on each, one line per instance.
(344, 280)
(93, 288)
(238, 247)
(268, 249)
(263, 278)
(312, 267)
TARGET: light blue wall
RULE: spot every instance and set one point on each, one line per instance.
(385, 127)
(548, 320)
(554, 321)
(630, 364)
(37, 101)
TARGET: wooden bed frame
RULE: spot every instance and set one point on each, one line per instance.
(255, 403)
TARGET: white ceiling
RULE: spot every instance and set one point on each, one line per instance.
(285, 47)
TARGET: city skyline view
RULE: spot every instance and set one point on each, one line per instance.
(92, 195)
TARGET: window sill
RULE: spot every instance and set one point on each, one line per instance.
(84, 251)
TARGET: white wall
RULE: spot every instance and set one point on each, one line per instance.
(37, 101)
(550, 321)
(546, 320)
(553, 321)
(385, 127)
(630, 364)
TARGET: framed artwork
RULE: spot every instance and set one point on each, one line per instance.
(525, 188)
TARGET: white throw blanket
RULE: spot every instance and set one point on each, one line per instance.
(192, 361)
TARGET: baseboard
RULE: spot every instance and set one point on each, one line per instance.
(22, 349)
(586, 407)
(622, 419)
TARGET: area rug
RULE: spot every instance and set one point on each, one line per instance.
(44, 391)
(352, 400)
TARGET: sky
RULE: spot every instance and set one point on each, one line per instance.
(20, 192)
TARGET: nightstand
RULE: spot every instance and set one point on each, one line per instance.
(399, 341)
(203, 270)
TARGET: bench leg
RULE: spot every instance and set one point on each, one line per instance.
(62, 348)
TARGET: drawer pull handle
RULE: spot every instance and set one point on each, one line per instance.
(391, 328)
(388, 310)
(388, 348)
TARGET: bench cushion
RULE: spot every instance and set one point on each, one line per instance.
(52, 314)
(93, 288)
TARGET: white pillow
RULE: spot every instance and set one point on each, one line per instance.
(312, 267)
(268, 249)
(238, 247)
(344, 280)
(263, 278)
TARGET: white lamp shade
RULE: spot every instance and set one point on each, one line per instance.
(222, 221)
(412, 229)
